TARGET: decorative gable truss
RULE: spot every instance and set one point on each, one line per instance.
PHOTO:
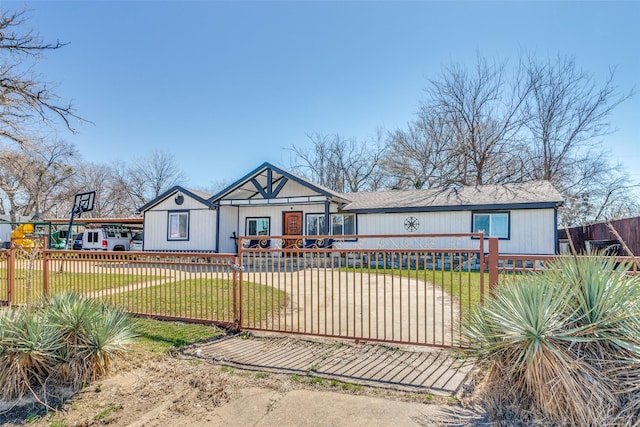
(269, 184)
(268, 192)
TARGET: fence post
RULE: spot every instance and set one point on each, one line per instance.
(10, 275)
(237, 291)
(45, 273)
(493, 264)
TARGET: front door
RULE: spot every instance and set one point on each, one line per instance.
(291, 226)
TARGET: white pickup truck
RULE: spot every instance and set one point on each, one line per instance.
(106, 239)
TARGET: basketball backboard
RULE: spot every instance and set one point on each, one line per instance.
(84, 202)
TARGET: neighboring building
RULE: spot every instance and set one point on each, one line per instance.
(273, 201)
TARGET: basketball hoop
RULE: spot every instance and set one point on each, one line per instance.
(83, 202)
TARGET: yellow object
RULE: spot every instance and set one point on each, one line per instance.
(18, 235)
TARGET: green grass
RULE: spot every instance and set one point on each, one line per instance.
(81, 283)
(162, 336)
(462, 285)
(210, 300)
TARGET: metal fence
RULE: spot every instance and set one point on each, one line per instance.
(194, 287)
(410, 289)
(400, 289)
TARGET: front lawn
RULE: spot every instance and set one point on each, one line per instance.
(210, 299)
(462, 285)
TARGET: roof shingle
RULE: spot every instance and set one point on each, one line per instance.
(534, 192)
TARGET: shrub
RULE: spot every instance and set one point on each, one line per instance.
(563, 344)
(67, 340)
(92, 334)
(28, 352)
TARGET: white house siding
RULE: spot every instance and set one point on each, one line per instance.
(429, 223)
(530, 230)
(295, 189)
(228, 226)
(202, 226)
(202, 231)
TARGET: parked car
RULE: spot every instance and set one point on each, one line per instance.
(106, 239)
(136, 243)
(77, 242)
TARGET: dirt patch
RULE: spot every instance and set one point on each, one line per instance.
(150, 389)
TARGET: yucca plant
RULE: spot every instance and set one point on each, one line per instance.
(66, 340)
(28, 352)
(91, 332)
(107, 339)
(555, 342)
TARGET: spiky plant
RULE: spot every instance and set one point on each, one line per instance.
(28, 354)
(91, 333)
(554, 341)
(107, 339)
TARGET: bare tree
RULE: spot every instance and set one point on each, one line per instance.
(146, 178)
(484, 112)
(339, 164)
(110, 200)
(540, 120)
(26, 102)
(419, 157)
(466, 132)
(12, 174)
(567, 113)
(33, 176)
(598, 191)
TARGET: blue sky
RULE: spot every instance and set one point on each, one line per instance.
(226, 86)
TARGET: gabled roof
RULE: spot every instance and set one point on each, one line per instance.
(531, 194)
(200, 196)
(266, 181)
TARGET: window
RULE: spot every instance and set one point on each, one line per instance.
(257, 226)
(178, 226)
(316, 224)
(492, 224)
(343, 224)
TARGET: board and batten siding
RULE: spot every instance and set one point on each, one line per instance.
(228, 225)
(531, 230)
(202, 226)
(295, 189)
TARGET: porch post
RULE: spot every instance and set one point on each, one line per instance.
(327, 215)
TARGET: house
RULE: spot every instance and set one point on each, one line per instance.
(271, 201)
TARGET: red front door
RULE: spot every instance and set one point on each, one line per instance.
(291, 226)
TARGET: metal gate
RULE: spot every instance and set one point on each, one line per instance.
(399, 289)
